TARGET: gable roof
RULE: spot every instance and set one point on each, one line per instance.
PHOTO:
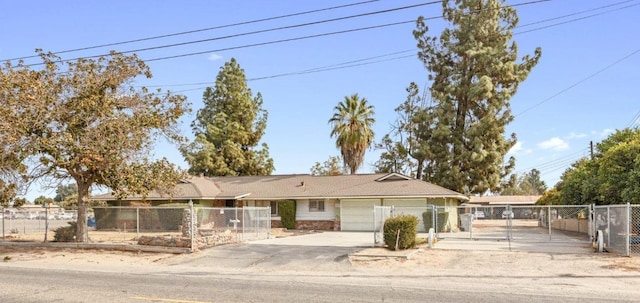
(277, 187)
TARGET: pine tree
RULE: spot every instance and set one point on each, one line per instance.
(228, 128)
(474, 71)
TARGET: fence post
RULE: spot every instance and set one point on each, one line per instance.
(137, 222)
(46, 221)
(591, 225)
(191, 225)
(608, 226)
(628, 232)
(549, 220)
(434, 214)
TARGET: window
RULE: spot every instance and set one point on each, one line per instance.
(316, 205)
(274, 208)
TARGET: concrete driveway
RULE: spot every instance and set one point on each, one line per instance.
(323, 251)
(324, 239)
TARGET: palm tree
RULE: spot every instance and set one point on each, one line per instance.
(352, 122)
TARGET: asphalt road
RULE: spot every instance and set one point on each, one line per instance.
(40, 285)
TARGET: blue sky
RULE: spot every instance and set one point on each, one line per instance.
(584, 87)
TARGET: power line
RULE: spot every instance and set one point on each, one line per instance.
(577, 19)
(580, 82)
(267, 30)
(281, 41)
(316, 70)
(635, 121)
(202, 30)
(325, 68)
(284, 40)
(347, 64)
(560, 161)
(575, 14)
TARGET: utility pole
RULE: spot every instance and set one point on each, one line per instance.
(591, 147)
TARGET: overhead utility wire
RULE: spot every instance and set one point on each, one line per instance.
(201, 30)
(575, 14)
(577, 19)
(634, 121)
(267, 30)
(570, 157)
(309, 36)
(300, 72)
(580, 82)
(324, 68)
(283, 40)
(352, 63)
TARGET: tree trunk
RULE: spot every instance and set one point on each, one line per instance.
(83, 198)
(419, 169)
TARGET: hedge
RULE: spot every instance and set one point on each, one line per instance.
(287, 211)
(401, 229)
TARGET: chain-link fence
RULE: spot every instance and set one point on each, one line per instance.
(33, 224)
(529, 223)
(634, 230)
(153, 226)
(617, 228)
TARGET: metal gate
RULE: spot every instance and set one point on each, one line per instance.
(531, 223)
(617, 228)
(380, 215)
(426, 215)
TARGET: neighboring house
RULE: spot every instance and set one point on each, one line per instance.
(503, 200)
(495, 205)
(344, 202)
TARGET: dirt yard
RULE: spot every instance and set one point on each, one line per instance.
(436, 261)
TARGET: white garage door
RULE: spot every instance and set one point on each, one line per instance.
(357, 215)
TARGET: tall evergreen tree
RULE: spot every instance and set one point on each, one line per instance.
(474, 71)
(228, 128)
(352, 124)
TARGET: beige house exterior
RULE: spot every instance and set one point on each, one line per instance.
(343, 202)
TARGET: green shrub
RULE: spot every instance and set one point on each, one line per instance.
(401, 229)
(287, 210)
(427, 218)
(65, 233)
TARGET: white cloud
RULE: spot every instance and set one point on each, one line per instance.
(517, 149)
(214, 57)
(554, 143)
(573, 135)
(603, 133)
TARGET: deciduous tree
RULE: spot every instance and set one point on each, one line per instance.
(63, 191)
(42, 200)
(331, 167)
(84, 120)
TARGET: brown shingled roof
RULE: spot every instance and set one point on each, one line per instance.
(192, 188)
(278, 187)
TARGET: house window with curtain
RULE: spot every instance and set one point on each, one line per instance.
(274, 208)
(316, 205)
